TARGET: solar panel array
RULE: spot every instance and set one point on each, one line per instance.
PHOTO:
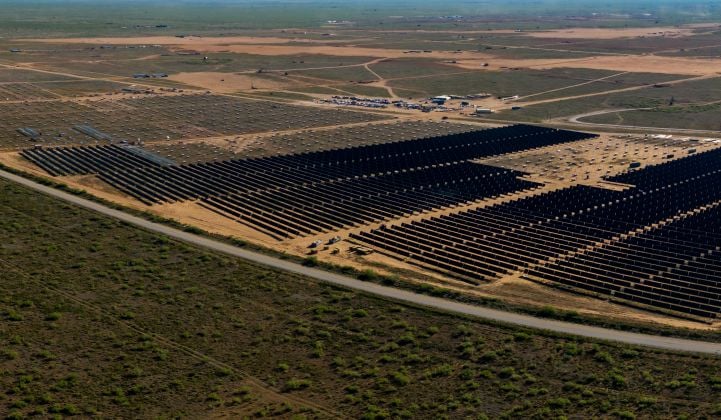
(656, 245)
(156, 118)
(328, 206)
(59, 161)
(301, 194)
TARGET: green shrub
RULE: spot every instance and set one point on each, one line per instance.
(368, 275)
(390, 280)
(310, 261)
(630, 354)
(506, 373)
(194, 230)
(15, 415)
(488, 356)
(9, 354)
(66, 409)
(572, 349)
(442, 370)
(297, 384)
(647, 400)
(605, 357)
(53, 316)
(360, 313)
(560, 402)
(400, 378)
(617, 380)
(406, 338)
(12, 315)
(522, 336)
(548, 311)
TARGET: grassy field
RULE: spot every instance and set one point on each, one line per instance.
(80, 87)
(79, 18)
(345, 74)
(614, 81)
(705, 52)
(365, 90)
(17, 75)
(499, 83)
(641, 45)
(217, 62)
(411, 67)
(685, 94)
(316, 90)
(688, 117)
(120, 322)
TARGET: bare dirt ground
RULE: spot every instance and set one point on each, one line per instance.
(227, 82)
(588, 161)
(621, 63)
(604, 33)
(593, 33)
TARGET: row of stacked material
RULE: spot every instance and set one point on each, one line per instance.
(59, 161)
(305, 209)
(239, 176)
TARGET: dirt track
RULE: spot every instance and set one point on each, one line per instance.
(577, 120)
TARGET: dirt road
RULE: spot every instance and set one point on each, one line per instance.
(577, 119)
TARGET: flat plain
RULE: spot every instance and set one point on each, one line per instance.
(314, 137)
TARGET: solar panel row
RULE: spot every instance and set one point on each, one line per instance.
(656, 245)
(59, 161)
(300, 194)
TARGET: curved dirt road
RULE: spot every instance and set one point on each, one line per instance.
(577, 119)
(666, 343)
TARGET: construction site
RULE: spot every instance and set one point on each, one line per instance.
(502, 212)
(316, 210)
(370, 181)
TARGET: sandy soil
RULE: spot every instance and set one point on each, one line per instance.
(605, 33)
(226, 82)
(188, 41)
(588, 161)
(629, 63)
(585, 33)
